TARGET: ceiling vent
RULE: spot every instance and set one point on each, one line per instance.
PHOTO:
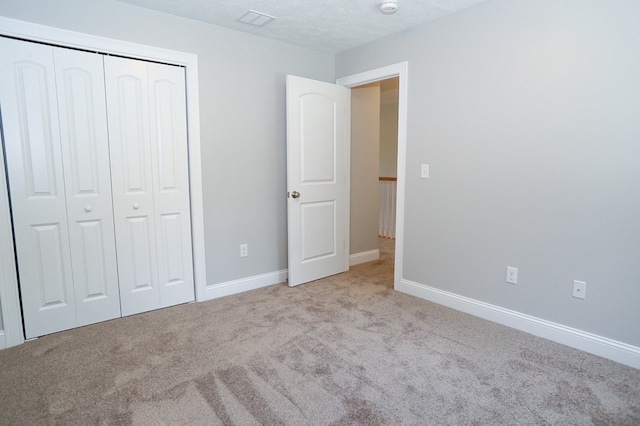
(257, 19)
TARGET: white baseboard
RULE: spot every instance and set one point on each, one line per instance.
(607, 348)
(3, 340)
(228, 288)
(363, 257)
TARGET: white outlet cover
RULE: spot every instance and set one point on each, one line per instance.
(512, 275)
(579, 289)
(424, 171)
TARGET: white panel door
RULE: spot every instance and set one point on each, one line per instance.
(150, 178)
(317, 152)
(36, 181)
(85, 152)
(132, 183)
(170, 162)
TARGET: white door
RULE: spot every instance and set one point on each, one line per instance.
(37, 187)
(317, 165)
(85, 154)
(170, 167)
(53, 111)
(147, 129)
(128, 120)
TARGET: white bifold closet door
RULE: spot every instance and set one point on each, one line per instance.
(96, 152)
(56, 144)
(146, 109)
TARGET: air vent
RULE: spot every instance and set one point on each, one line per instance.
(257, 19)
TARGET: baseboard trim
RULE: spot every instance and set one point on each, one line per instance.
(228, 288)
(363, 257)
(597, 345)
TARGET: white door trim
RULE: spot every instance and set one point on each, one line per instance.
(60, 37)
(401, 71)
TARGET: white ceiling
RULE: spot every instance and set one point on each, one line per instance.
(327, 25)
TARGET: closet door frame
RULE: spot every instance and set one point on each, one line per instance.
(10, 308)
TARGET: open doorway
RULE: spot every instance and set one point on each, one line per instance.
(325, 115)
(374, 154)
(399, 70)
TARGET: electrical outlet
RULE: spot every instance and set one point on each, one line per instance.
(512, 275)
(244, 250)
(579, 289)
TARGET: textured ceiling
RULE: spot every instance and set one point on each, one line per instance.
(327, 25)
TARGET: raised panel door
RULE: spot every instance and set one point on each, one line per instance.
(317, 150)
(169, 152)
(36, 181)
(132, 183)
(85, 152)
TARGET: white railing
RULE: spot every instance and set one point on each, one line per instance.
(387, 207)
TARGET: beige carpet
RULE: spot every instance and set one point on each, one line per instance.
(343, 350)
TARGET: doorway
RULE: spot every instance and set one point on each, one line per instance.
(318, 152)
(374, 146)
(399, 71)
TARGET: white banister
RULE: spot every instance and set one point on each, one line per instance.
(387, 208)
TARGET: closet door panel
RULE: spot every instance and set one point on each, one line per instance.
(36, 181)
(48, 261)
(169, 152)
(132, 183)
(140, 263)
(85, 147)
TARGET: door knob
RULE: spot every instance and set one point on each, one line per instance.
(87, 209)
(136, 206)
(295, 194)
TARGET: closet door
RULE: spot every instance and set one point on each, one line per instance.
(36, 181)
(54, 119)
(132, 182)
(85, 153)
(148, 142)
(169, 153)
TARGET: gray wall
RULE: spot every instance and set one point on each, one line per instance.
(242, 115)
(388, 165)
(528, 113)
(365, 141)
(526, 110)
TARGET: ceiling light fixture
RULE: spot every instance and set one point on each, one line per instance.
(388, 7)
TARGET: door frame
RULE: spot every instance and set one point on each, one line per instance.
(13, 333)
(400, 70)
